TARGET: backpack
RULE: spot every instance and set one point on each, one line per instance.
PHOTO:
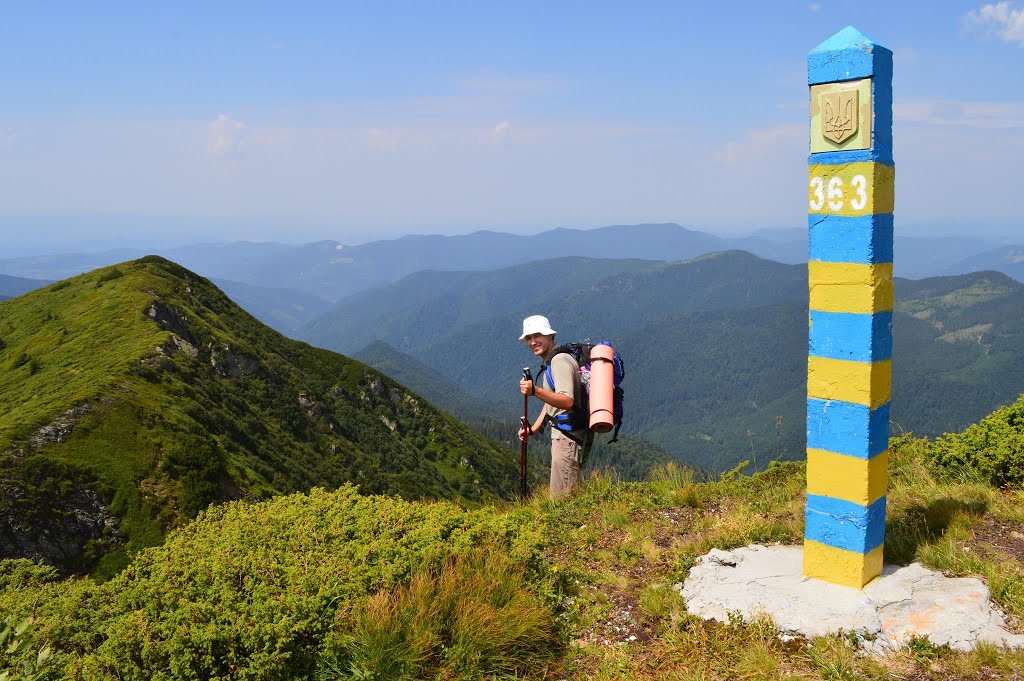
(579, 417)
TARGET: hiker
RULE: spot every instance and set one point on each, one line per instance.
(558, 399)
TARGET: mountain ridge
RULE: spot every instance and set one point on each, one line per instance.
(138, 394)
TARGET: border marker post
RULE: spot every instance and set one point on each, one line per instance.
(849, 366)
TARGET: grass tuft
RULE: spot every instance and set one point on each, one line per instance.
(475, 617)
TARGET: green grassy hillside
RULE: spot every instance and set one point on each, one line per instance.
(133, 396)
(335, 585)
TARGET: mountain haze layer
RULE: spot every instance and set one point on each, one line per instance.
(11, 287)
(287, 286)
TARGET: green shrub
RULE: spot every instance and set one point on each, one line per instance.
(201, 464)
(993, 447)
(254, 591)
(109, 275)
(21, 573)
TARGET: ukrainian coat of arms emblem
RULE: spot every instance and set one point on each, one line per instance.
(839, 115)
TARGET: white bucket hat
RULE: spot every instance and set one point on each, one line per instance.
(536, 324)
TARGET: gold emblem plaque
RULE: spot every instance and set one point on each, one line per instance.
(841, 116)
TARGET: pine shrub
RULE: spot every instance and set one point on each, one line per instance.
(993, 447)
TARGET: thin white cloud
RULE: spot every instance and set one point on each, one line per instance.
(758, 144)
(511, 85)
(383, 140)
(225, 136)
(814, 7)
(8, 137)
(904, 55)
(950, 112)
(501, 129)
(1001, 19)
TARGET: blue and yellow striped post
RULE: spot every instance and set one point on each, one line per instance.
(849, 364)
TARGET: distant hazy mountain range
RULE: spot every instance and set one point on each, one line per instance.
(1006, 259)
(15, 286)
(285, 310)
(329, 270)
(715, 347)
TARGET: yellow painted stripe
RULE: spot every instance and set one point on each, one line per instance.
(850, 287)
(850, 478)
(851, 189)
(867, 383)
(839, 566)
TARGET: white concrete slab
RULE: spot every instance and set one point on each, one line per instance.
(905, 601)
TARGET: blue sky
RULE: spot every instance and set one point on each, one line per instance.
(129, 123)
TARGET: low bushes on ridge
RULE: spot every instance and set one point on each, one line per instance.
(300, 586)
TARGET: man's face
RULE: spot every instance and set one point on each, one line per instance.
(539, 344)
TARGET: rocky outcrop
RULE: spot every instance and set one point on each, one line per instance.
(178, 344)
(60, 429)
(310, 406)
(56, 529)
(170, 319)
(379, 388)
(54, 525)
(230, 364)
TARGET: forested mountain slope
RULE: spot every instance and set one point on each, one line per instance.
(585, 295)
(715, 347)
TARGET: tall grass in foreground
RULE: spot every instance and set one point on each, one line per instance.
(474, 618)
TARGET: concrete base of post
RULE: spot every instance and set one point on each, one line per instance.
(904, 602)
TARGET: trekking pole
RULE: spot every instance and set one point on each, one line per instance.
(526, 435)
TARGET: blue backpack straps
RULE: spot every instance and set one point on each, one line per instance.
(577, 418)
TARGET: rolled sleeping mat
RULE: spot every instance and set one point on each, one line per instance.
(602, 388)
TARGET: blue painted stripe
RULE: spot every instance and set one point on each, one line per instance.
(845, 525)
(847, 428)
(866, 239)
(844, 335)
(847, 55)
